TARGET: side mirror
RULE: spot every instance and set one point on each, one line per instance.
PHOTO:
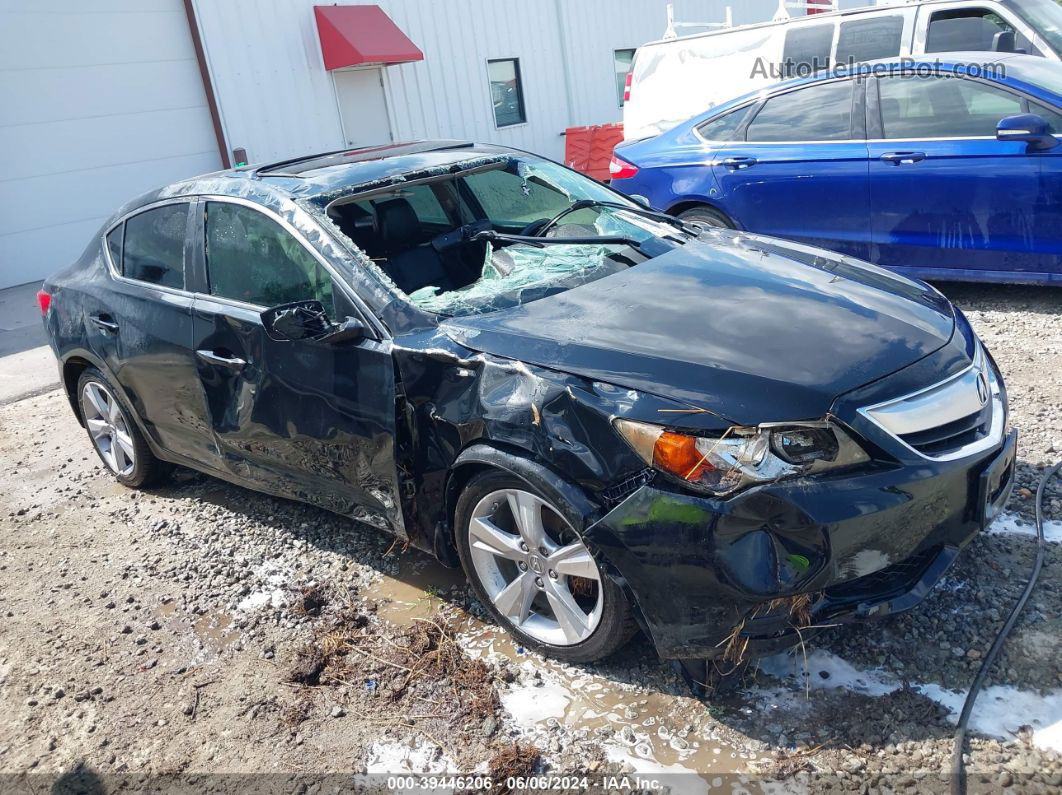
(1004, 41)
(349, 330)
(308, 320)
(639, 199)
(1028, 128)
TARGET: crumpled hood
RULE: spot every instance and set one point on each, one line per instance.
(754, 329)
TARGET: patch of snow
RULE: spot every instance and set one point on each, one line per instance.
(399, 758)
(531, 705)
(827, 671)
(999, 712)
(680, 780)
(271, 593)
(1002, 709)
(1012, 524)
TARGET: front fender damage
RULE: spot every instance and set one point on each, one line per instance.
(458, 410)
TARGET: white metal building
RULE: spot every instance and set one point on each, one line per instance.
(101, 100)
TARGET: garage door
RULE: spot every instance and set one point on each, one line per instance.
(96, 107)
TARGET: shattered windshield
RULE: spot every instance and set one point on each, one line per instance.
(499, 235)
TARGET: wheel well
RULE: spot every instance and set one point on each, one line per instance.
(681, 207)
(455, 484)
(72, 370)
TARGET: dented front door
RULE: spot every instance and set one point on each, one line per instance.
(298, 418)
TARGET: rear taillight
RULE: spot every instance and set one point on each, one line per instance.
(619, 168)
(44, 301)
(627, 87)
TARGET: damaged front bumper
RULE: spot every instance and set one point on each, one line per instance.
(703, 571)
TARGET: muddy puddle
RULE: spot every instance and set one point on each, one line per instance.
(652, 730)
(213, 632)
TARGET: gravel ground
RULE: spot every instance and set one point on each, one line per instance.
(200, 628)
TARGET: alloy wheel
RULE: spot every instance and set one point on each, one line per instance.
(108, 428)
(534, 568)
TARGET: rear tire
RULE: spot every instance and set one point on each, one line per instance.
(496, 568)
(114, 434)
(707, 216)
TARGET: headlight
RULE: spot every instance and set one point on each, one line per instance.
(743, 455)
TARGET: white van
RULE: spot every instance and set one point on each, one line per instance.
(676, 78)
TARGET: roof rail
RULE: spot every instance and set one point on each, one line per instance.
(672, 25)
(809, 7)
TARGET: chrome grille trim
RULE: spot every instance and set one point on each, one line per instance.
(953, 399)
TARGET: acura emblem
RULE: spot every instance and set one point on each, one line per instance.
(982, 388)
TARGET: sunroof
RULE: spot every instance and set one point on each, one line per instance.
(296, 167)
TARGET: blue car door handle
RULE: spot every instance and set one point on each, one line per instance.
(903, 158)
(739, 162)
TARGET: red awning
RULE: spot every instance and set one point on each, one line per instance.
(354, 35)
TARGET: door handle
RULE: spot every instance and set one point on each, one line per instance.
(739, 162)
(104, 323)
(221, 360)
(903, 158)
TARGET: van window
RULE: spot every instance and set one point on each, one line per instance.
(724, 127)
(818, 113)
(943, 107)
(154, 246)
(867, 39)
(621, 62)
(1043, 16)
(807, 49)
(977, 29)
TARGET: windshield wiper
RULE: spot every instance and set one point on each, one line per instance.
(542, 242)
(583, 204)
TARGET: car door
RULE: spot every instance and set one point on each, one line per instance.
(140, 326)
(800, 171)
(298, 418)
(947, 198)
(1048, 221)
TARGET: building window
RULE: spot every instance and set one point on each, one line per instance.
(622, 60)
(506, 92)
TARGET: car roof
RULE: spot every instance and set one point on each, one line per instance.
(1017, 67)
(322, 176)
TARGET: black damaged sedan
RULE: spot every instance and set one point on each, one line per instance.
(610, 418)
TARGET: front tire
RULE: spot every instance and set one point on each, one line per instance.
(531, 571)
(115, 437)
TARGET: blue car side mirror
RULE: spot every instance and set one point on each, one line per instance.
(1028, 127)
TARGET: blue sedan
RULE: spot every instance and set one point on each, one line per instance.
(946, 169)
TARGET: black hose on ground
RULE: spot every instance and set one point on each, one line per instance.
(958, 772)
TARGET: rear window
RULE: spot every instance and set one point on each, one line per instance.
(819, 113)
(868, 39)
(153, 249)
(114, 246)
(724, 127)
